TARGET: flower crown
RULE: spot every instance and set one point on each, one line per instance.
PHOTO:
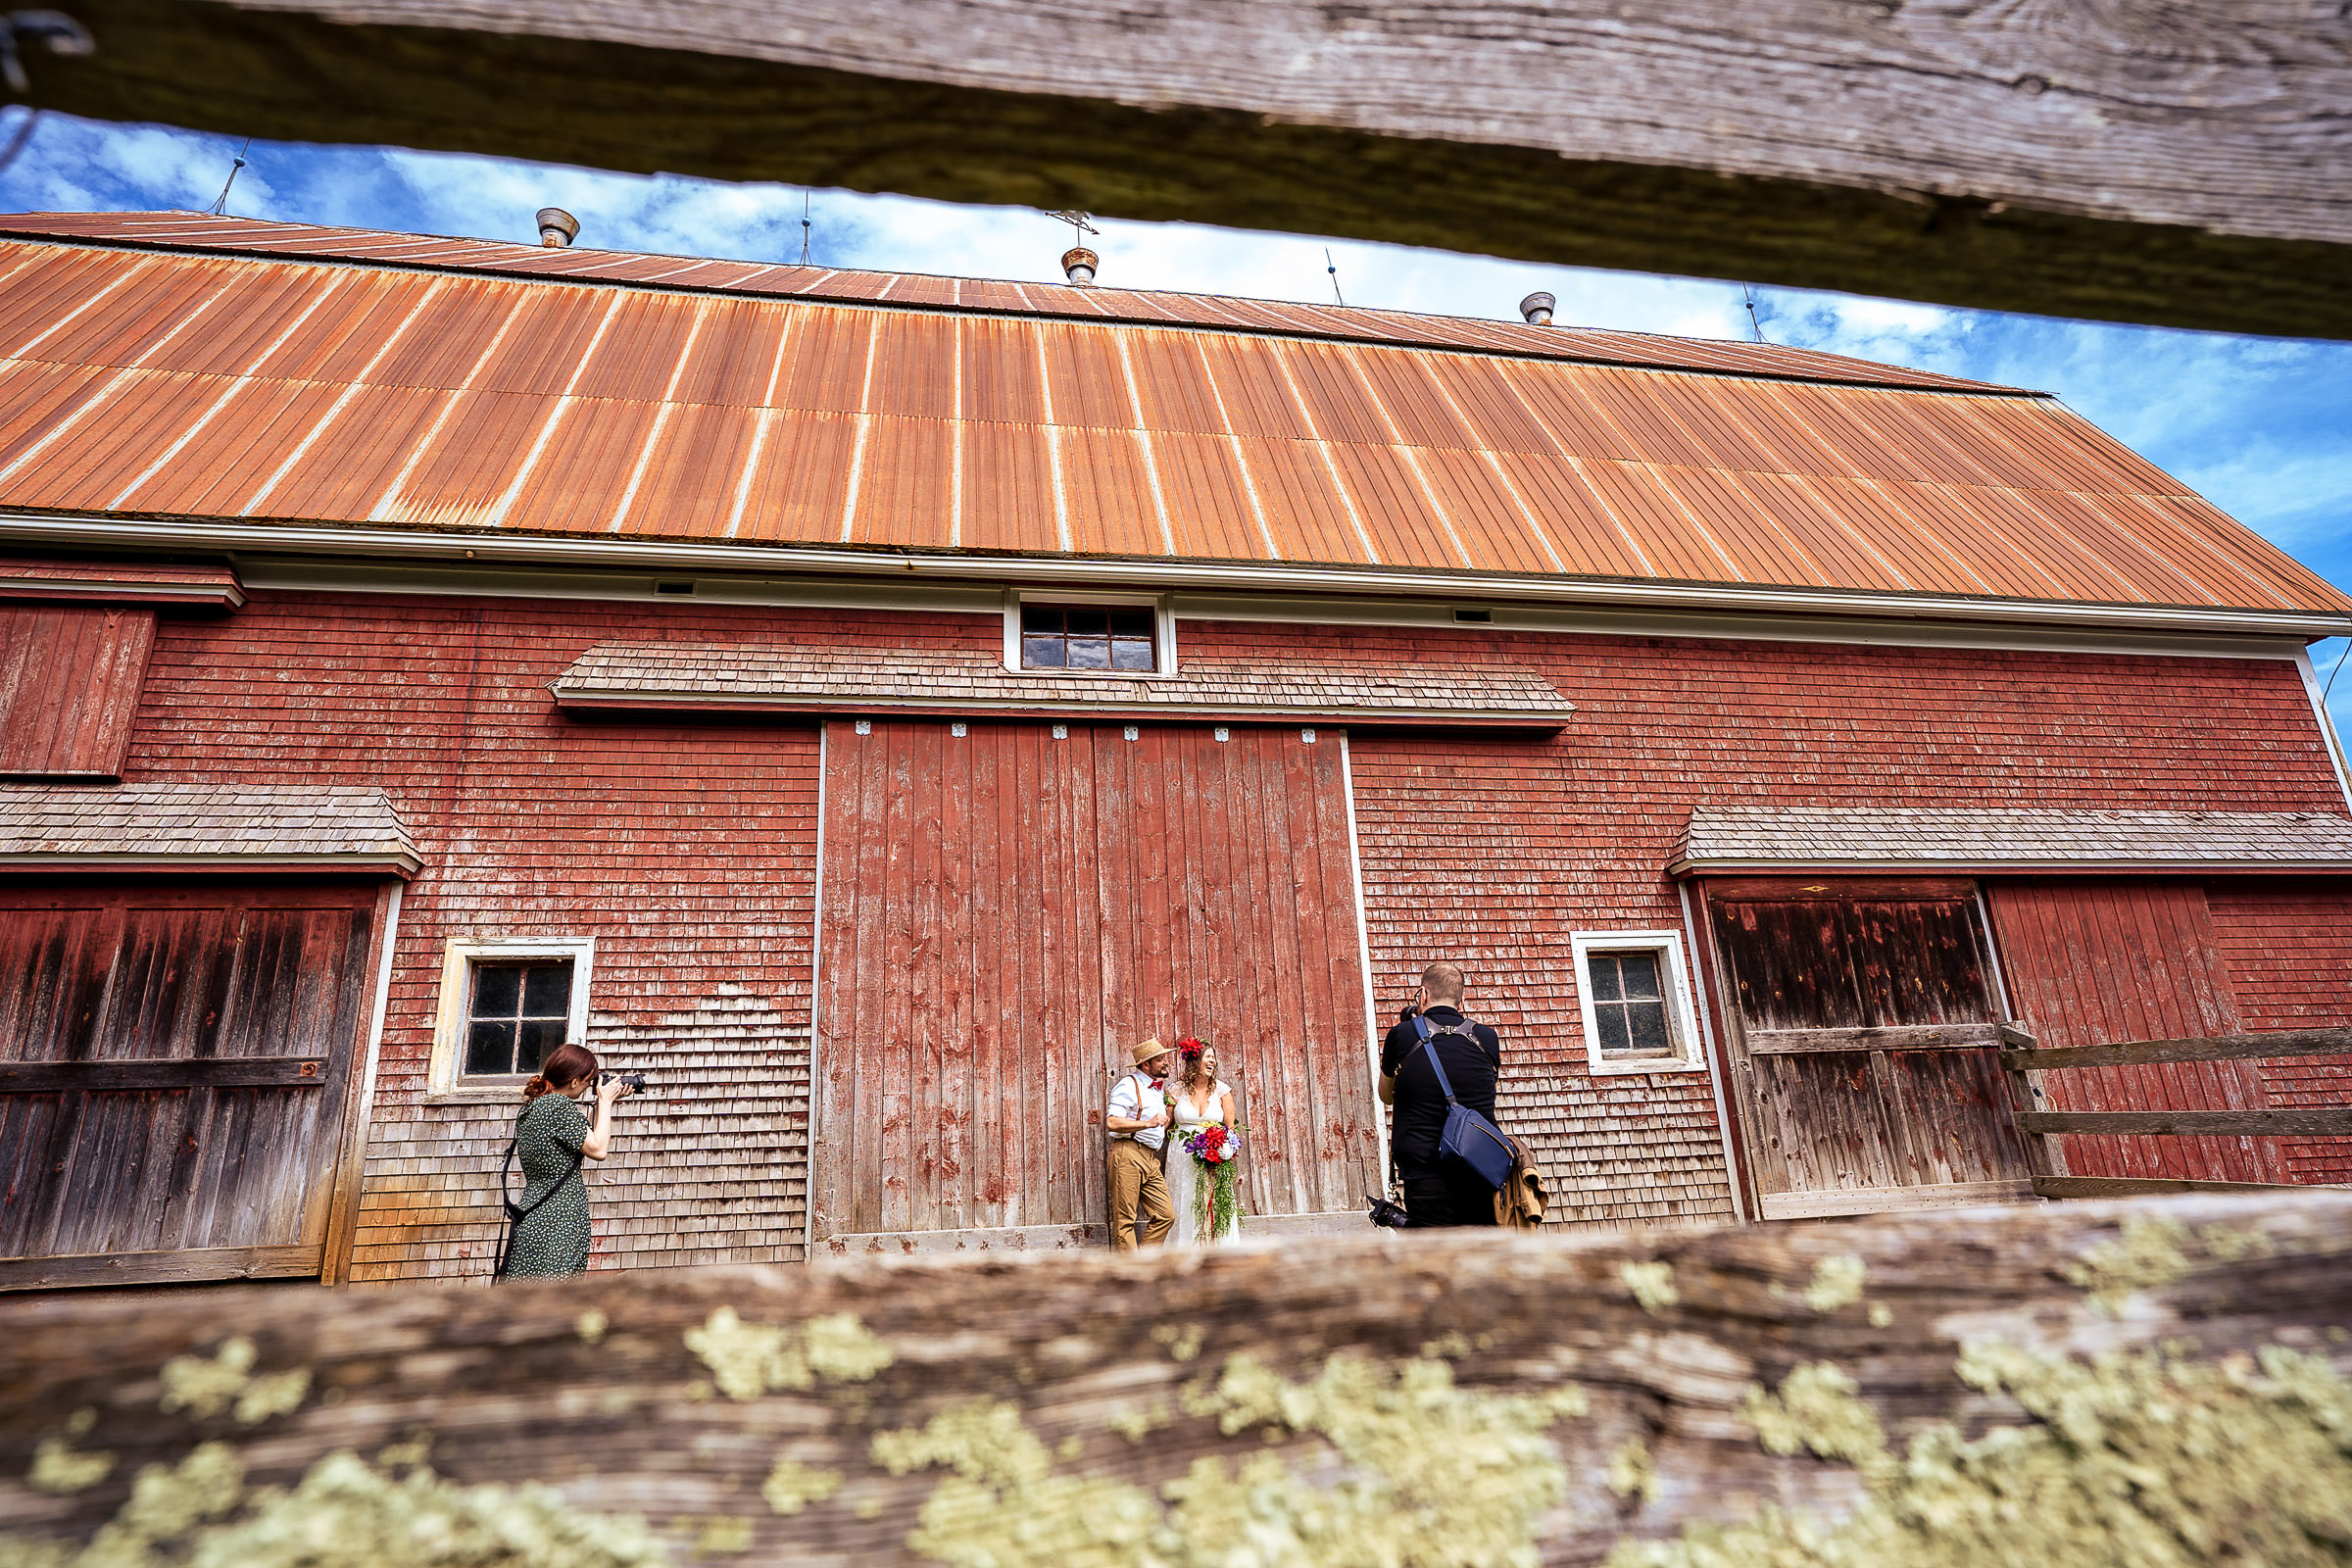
(1190, 1048)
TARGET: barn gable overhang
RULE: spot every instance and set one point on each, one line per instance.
(159, 584)
(178, 382)
(1801, 840)
(203, 828)
(915, 682)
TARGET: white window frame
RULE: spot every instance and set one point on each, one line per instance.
(1682, 1022)
(445, 1084)
(1163, 632)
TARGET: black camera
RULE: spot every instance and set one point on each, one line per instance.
(1385, 1213)
(633, 1081)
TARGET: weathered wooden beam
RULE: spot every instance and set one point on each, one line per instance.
(97, 1270)
(163, 1072)
(2141, 1186)
(1456, 1399)
(2322, 1123)
(1900, 1037)
(2176, 168)
(2215, 1048)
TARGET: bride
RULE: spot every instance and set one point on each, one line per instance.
(1198, 1099)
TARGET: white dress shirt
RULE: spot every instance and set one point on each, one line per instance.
(1127, 1102)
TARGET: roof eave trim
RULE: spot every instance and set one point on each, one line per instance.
(1686, 866)
(54, 590)
(817, 706)
(403, 863)
(1154, 575)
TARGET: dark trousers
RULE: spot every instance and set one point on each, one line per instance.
(1445, 1194)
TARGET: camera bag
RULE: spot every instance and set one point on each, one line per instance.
(1468, 1138)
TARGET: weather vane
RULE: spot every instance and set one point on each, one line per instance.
(1079, 226)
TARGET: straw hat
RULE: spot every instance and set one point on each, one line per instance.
(1148, 1049)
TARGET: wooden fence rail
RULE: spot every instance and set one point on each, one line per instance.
(2023, 1055)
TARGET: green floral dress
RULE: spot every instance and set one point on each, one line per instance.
(553, 1240)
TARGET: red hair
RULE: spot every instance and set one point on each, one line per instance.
(567, 1064)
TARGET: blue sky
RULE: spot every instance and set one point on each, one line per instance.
(2261, 426)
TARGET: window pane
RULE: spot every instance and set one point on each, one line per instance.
(539, 1037)
(1610, 1021)
(1605, 985)
(1647, 1023)
(1127, 653)
(547, 991)
(1131, 623)
(1042, 618)
(496, 988)
(1640, 972)
(490, 1048)
(1089, 652)
(1040, 653)
(1089, 623)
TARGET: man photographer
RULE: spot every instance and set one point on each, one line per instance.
(1439, 1193)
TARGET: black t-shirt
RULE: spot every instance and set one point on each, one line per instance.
(1420, 1112)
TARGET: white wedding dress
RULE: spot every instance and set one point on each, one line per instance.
(1184, 1175)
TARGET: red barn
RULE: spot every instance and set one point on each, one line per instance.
(868, 703)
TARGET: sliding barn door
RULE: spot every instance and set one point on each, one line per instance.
(1006, 913)
(173, 1076)
(1864, 1046)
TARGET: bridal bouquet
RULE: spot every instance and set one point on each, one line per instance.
(1217, 1195)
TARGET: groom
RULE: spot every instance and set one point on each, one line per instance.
(1137, 1120)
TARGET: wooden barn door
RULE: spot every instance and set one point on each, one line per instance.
(2096, 961)
(1863, 1047)
(174, 1068)
(1006, 913)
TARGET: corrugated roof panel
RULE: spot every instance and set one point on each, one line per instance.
(910, 289)
(1211, 507)
(917, 369)
(1796, 444)
(452, 333)
(825, 357)
(1750, 535)
(1108, 493)
(1335, 396)
(340, 345)
(1552, 393)
(2021, 563)
(467, 460)
(582, 466)
(2075, 454)
(687, 487)
(1496, 417)
(2193, 534)
(636, 354)
(1395, 510)
(229, 337)
(1889, 416)
(222, 454)
(1637, 413)
(34, 398)
(1483, 509)
(1085, 378)
(1008, 489)
(2102, 552)
(1708, 413)
(85, 308)
(906, 484)
(1845, 558)
(122, 422)
(1418, 411)
(350, 458)
(1576, 521)
(1842, 427)
(1003, 379)
(1255, 390)
(1310, 517)
(796, 491)
(545, 349)
(1172, 381)
(1862, 506)
(850, 286)
(735, 356)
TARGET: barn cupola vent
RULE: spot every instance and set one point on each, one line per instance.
(1078, 264)
(1537, 308)
(556, 227)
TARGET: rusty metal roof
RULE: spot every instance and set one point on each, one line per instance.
(183, 367)
(1822, 838)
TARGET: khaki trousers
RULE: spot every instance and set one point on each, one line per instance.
(1138, 1188)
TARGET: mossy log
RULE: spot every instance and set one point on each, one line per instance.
(2176, 165)
(2140, 1382)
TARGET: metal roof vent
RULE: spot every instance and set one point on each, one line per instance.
(1078, 264)
(556, 227)
(1537, 308)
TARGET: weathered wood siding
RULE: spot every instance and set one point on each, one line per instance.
(2091, 961)
(1006, 913)
(70, 679)
(2288, 947)
(185, 983)
(1875, 1125)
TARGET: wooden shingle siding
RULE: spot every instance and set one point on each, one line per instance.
(1006, 913)
(100, 973)
(70, 679)
(2288, 949)
(2091, 961)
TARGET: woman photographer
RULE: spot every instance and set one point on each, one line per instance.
(551, 1138)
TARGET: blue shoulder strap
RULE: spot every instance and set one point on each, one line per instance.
(1431, 1045)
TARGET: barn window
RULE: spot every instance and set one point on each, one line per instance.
(1112, 637)
(1635, 998)
(506, 1003)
